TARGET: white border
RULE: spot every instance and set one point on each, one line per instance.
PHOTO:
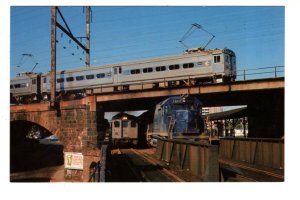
(288, 189)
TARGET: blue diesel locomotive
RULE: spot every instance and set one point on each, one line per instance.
(178, 117)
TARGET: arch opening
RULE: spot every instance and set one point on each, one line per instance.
(33, 147)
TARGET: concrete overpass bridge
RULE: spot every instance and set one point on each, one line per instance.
(78, 123)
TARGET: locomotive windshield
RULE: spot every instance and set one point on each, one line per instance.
(184, 107)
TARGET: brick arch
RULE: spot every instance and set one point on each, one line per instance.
(48, 120)
(23, 126)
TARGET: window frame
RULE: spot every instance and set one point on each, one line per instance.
(79, 78)
(217, 58)
(70, 79)
(188, 65)
(90, 76)
(174, 67)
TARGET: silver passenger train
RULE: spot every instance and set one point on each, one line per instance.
(193, 67)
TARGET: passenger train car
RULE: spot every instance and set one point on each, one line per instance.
(124, 128)
(193, 67)
(178, 117)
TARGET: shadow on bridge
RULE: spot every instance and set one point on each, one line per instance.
(31, 148)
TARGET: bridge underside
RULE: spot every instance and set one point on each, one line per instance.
(252, 97)
(264, 99)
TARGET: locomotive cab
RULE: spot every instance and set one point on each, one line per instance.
(224, 64)
(124, 128)
(178, 117)
(229, 65)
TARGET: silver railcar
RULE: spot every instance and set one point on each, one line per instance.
(124, 128)
(191, 68)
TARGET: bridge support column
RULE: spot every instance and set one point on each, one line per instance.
(79, 133)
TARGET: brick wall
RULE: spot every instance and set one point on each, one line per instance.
(76, 128)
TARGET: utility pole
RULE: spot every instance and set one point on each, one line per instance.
(53, 57)
(88, 20)
(67, 31)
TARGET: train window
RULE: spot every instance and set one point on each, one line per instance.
(101, 75)
(17, 85)
(135, 71)
(22, 85)
(173, 67)
(116, 124)
(60, 80)
(217, 59)
(11, 86)
(120, 70)
(45, 80)
(79, 78)
(160, 68)
(33, 81)
(148, 70)
(133, 124)
(188, 65)
(124, 124)
(90, 76)
(70, 79)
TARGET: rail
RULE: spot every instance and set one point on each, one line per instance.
(260, 72)
(201, 159)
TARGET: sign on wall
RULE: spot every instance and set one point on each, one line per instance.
(73, 160)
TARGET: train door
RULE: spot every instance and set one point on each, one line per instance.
(117, 74)
(125, 129)
(116, 129)
(133, 133)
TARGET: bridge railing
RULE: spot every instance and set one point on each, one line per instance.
(201, 159)
(261, 72)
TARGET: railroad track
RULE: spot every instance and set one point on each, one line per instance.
(132, 165)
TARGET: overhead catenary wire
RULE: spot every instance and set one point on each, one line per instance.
(132, 41)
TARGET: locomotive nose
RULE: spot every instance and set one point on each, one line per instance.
(186, 122)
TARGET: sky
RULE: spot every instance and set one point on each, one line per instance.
(126, 33)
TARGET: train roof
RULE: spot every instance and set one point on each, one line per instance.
(187, 54)
(178, 99)
(24, 75)
(124, 115)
